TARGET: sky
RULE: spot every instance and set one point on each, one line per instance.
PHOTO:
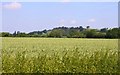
(37, 16)
(61, 0)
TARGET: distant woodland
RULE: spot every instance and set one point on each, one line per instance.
(68, 32)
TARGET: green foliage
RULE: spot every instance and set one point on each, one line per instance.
(104, 30)
(75, 34)
(90, 33)
(21, 35)
(5, 34)
(57, 33)
(100, 35)
(113, 33)
(72, 32)
(59, 55)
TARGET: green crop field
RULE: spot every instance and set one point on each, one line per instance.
(59, 55)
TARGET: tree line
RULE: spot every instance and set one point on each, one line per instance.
(68, 32)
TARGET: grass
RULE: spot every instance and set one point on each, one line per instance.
(59, 55)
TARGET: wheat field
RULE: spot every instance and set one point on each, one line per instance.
(59, 55)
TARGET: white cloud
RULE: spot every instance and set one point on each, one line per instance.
(60, 0)
(62, 22)
(92, 20)
(65, 0)
(14, 5)
(73, 22)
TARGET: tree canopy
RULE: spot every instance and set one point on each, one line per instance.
(68, 32)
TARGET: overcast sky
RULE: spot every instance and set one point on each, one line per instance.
(34, 16)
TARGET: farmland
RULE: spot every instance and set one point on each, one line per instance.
(59, 55)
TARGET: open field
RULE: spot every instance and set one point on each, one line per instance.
(56, 55)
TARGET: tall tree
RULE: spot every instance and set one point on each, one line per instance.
(15, 33)
(57, 33)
